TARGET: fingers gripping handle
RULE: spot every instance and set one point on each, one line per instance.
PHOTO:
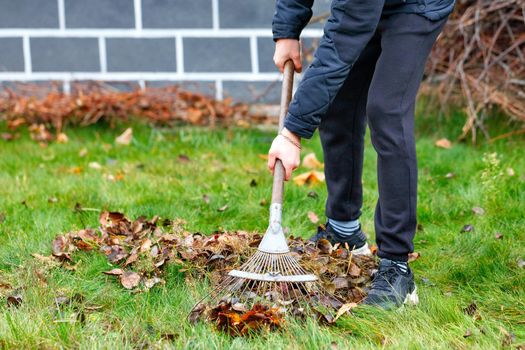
(286, 97)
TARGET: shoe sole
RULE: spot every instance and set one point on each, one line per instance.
(412, 298)
(364, 250)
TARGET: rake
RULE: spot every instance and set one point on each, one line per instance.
(273, 276)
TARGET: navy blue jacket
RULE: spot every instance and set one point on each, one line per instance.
(351, 24)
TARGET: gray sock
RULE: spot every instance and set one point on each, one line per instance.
(401, 265)
(344, 228)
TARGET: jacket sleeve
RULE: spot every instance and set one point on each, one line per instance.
(351, 25)
(290, 18)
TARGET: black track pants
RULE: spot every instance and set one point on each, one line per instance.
(381, 87)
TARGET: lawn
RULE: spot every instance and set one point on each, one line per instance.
(40, 187)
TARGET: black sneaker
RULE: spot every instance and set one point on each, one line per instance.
(391, 287)
(356, 242)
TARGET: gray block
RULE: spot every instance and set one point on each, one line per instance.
(11, 55)
(206, 88)
(37, 88)
(64, 54)
(266, 48)
(253, 92)
(176, 14)
(113, 86)
(99, 14)
(246, 13)
(141, 55)
(28, 14)
(217, 55)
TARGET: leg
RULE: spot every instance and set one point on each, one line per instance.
(342, 132)
(406, 40)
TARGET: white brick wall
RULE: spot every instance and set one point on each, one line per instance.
(101, 29)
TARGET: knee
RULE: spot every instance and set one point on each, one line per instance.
(380, 110)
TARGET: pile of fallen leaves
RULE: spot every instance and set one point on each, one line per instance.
(51, 111)
(139, 249)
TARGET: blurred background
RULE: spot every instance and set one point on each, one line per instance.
(223, 50)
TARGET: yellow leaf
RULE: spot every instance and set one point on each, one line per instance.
(310, 177)
(343, 309)
(311, 162)
(443, 143)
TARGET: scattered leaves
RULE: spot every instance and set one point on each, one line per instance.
(183, 158)
(443, 143)
(478, 211)
(125, 138)
(95, 165)
(62, 138)
(140, 249)
(313, 194)
(130, 279)
(314, 219)
(467, 228)
(344, 309)
(15, 299)
(223, 208)
(310, 162)
(471, 309)
(241, 323)
(521, 263)
(311, 177)
(413, 256)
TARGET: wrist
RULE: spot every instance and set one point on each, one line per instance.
(291, 135)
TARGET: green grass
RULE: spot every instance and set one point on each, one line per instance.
(454, 270)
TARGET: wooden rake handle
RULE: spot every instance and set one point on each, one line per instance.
(286, 97)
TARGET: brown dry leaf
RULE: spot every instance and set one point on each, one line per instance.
(62, 138)
(7, 136)
(310, 162)
(49, 261)
(478, 211)
(324, 245)
(344, 309)
(114, 272)
(14, 300)
(263, 156)
(354, 270)
(311, 177)
(125, 138)
(314, 219)
(443, 143)
(151, 282)
(223, 208)
(130, 279)
(183, 158)
(413, 256)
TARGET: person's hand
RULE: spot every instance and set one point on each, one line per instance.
(286, 151)
(288, 49)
